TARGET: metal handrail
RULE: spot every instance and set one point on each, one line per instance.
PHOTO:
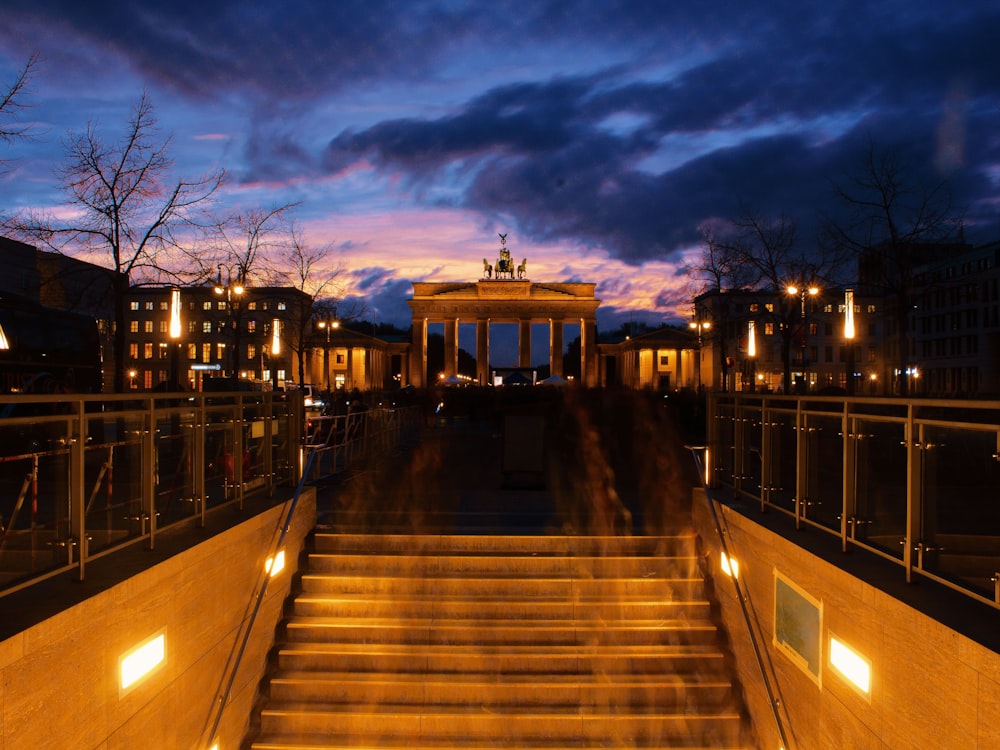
(250, 617)
(773, 700)
(982, 417)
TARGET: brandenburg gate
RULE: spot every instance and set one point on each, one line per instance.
(498, 297)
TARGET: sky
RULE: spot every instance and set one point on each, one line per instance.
(601, 137)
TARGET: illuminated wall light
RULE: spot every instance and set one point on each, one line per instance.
(855, 668)
(175, 314)
(276, 564)
(276, 336)
(141, 660)
(849, 314)
(730, 566)
(4, 343)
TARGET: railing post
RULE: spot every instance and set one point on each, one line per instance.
(914, 447)
(848, 508)
(76, 489)
(149, 479)
(801, 462)
(765, 454)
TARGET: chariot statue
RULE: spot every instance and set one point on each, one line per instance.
(504, 267)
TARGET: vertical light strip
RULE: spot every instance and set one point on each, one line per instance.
(276, 337)
(849, 314)
(175, 313)
(751, 338)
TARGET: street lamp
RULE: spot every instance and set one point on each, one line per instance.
(328, 323)
(229, 290)
(174, 332)
(752, 352)
(700, 326)
(802, 292)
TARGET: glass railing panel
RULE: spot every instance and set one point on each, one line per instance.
(961, 504)
(880, 486)
(725, 424)
(751, 426)
(220, 462)
(782, 451)
(113, 474)
(824, 497)
(175, 480)
(34, 497)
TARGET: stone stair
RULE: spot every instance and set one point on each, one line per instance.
(526, 642)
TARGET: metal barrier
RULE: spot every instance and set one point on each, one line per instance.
(916, 482)
(83, 476)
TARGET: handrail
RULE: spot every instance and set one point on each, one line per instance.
(253, 607)
(773, 699)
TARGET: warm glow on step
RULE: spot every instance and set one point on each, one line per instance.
(276, 564)
(730, 566)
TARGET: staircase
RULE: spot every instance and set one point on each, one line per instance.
(525, 642)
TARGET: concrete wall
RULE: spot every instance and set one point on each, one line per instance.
(59, 684)
(931, 687)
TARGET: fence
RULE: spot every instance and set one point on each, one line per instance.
(83, 476)
(914, 481)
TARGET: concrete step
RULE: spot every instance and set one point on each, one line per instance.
(486, 632)
(516, 725)
(506, 659)
(500, 545)
(632, 691)
(541, 608)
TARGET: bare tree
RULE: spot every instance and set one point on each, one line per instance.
(307, 272)
(12, 104)
(892, 222)
(126, 204)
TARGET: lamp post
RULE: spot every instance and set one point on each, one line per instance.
(700, 326)
(174, 333)
(328, 323)
(802, 292)
(231, 290)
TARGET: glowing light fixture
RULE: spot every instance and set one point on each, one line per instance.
(730, 566)
(276, 336)
(751, 338)
(855, 668)
(141, 660)
(175, 313)
(276, 564)
(4, 343)
(849, 314)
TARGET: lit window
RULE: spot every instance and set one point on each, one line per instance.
(251, 305)
(149, 305)
(220, 351)
(164, 305)
(206, 305)
(206, 327)
(147, 326)
(133, 305)
(192, 351)
(206, 353)
(147, 350)
(221, 305)
(281, 305)
(133, 326)
(769, 307)
(133, 350)
(769, 329)
(251, 351)
(163, 326)
(754, 307)
(163, 350)
(251, 326)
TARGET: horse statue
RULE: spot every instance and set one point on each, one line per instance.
(522, 268)
(487, 269)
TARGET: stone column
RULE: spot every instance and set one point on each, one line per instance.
(451, 347)
(588, 352)
(483, 351)
(524, 343)
(418, 353)
(556, 347)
